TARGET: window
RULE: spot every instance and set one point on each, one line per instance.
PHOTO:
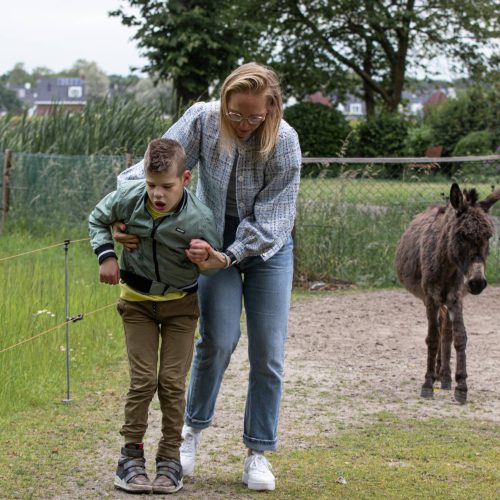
(355, 109)
(75, 92)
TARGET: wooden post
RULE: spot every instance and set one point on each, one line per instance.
(129, 160)
(7, 167)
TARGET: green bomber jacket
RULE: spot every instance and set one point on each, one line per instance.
(159, 265)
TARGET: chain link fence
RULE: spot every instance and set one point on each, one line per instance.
(350, 214)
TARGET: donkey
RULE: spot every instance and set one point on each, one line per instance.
(440, 258)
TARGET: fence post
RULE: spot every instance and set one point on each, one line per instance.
(66, 247)
(7, 168)
(129, 160)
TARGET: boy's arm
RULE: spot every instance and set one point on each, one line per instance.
(100, 221)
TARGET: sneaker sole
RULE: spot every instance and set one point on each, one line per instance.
(137, 488)
(258, 485)
(187, 471)
(167, 490)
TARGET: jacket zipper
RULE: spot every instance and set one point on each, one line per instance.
(156, 224)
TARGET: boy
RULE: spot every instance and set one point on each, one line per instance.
(158, 299)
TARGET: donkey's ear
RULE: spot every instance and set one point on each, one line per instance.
(456, 198)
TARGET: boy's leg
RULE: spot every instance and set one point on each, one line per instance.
(178, 323)
(142, 340)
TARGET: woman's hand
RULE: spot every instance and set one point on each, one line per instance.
(204, 256)
(129, 241)
(109, 271)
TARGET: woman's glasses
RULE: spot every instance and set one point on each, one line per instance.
(252, 120)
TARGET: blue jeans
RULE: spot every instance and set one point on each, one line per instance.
(264, 288)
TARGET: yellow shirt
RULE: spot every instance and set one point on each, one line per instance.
(128, 293)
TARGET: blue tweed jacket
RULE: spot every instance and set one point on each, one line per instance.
(266, 190)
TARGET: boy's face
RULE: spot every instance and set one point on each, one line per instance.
(165, 189)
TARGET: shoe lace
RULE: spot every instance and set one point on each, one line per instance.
(189, 444)
(261, 463)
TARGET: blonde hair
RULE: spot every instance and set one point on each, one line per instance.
(164, 154)
(255, 79)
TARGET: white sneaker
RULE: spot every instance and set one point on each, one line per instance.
(257, 473)
(188, 449)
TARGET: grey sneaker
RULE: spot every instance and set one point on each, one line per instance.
(257, 473)
(188, 449)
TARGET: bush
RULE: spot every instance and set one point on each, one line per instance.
(322, 131)
(475, 143)
(476, 109)
(383, 135)
(418, 140)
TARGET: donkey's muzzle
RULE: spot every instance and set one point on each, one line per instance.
(476, 286)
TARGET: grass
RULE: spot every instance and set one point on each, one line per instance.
(391, 459)
(348, 228)
(33, 302)
(50, 446)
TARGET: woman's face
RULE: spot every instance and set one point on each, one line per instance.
(246, 106)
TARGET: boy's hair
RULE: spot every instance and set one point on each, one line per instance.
(255, 79)
(164, 154)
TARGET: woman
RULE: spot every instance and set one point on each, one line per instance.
(249, 170)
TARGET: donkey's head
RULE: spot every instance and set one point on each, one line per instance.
(470, 234)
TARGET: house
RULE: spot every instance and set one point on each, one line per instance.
(67, 92)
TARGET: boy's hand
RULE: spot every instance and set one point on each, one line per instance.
(198, 251)
(109, 271)
(129, 241)
(201, 253)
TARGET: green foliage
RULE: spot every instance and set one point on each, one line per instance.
(118, 127)
(195, 43)
(477, 109)
(474, 143)
(418, 140)
(320, 42)
(9, 101)
(322, 130)
(384, 135)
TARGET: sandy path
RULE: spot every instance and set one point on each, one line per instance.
(349, 356)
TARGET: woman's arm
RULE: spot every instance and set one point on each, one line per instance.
(271, 222)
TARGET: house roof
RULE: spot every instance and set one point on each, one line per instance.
(319, 98)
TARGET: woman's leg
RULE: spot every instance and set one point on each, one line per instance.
(220, 311)
(266, 291)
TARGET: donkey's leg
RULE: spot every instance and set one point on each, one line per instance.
(438, 357)
(432, 341)
(460, 343)
(446, 336)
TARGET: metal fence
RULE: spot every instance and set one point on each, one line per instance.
(351, 212)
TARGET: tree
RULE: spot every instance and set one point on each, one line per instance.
(376, 40)
(96, 81)
(9, 101)
(146, 92)
(18, 75)
(193, 43)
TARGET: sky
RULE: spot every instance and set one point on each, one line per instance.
(56, 33)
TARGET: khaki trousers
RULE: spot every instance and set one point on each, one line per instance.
(159, 337)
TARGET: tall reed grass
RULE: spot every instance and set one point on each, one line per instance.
(116, 127)
(33, 301)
